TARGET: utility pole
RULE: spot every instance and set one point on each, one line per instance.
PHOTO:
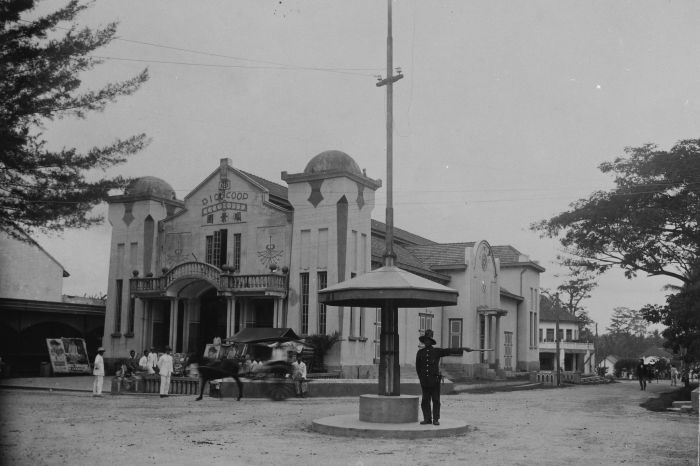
(389, 370)
(389, 81)
(557, 339)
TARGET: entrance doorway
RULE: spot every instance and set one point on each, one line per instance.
(212, 319)
(161, 324)
(261, 313)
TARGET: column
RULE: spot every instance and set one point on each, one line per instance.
(497, 347)
(389, 371)
(230, 316)
(173, 323)
(276, 313)
(561, 358)
(487, 337)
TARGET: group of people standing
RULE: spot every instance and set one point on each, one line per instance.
(150, 363)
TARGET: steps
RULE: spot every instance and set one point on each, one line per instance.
(681, 407)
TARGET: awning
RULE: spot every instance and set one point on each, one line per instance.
(260, 334)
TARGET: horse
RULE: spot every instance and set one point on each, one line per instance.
(217, 370)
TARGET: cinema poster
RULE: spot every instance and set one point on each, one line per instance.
(68, 356)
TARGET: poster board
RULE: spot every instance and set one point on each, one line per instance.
(179, 363)
(211, 351)
(68, 355)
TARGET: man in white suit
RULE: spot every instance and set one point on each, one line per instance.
(152, 360)
(165, 369)
(99, 372)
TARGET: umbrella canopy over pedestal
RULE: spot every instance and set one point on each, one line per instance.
(388, 288)
(374, 288)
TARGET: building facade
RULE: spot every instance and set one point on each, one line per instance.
(240, 251)
(575, 354)
(34, 308)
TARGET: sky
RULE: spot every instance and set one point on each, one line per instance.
(505, 112)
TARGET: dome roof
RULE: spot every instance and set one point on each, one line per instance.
(150, 186)
(332, 160)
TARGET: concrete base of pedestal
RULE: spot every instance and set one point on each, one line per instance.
(387, 417)
(349, 425)
(389, 409)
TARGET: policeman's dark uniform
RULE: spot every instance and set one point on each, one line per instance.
(427, 366)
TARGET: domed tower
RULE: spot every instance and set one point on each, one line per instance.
(333, 201)
(134, 218)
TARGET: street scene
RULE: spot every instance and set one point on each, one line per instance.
(367, 232)
(578, 425)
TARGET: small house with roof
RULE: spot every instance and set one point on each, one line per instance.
(240, 251)
(575, 354)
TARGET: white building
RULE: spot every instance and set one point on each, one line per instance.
(240, 251)
(575, 354)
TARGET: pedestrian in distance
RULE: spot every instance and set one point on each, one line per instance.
(165, 369)
(428, 368)
(299, 377)
(674, 375)
(642, 374)
(99, 372)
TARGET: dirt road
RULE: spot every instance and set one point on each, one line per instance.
(583, 425)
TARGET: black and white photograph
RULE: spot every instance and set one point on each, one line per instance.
(349, 232)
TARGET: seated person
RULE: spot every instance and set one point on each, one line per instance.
(131, 364)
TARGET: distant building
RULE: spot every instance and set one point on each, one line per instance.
(240, 251)
(609, 363)
(575, 355)
(33, 308)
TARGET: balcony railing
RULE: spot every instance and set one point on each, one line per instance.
(566, 345)
(226, 282)
(264, 283)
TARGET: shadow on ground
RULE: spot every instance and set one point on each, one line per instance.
(665, 400)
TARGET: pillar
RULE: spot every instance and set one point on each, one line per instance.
(173, 323)
(497, 342)
(487, 337)
(230, 316)
(389, 371)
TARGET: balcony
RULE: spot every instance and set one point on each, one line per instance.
(570, 346)
(227, 283)
(268, 284)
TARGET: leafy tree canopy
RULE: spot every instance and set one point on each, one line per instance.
(628, 322)
(41, 62)
(648, 223)
(569, 295)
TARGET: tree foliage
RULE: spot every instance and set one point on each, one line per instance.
(628, 322)
(648, 223)
(571, 293)
(41, 62)
(681, 318)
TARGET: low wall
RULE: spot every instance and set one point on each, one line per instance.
(550, 377)
(151, 384)
(323, 388)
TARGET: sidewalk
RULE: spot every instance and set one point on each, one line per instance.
(83, 383)
(68, 383)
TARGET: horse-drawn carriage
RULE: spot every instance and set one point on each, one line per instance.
(260, 354)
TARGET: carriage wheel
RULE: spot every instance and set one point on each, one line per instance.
(278, 391)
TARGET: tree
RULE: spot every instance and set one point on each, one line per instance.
(569, 295)
(648, 223)
(322, 343)
(40, 67)
(681, 317)
(627, 321)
